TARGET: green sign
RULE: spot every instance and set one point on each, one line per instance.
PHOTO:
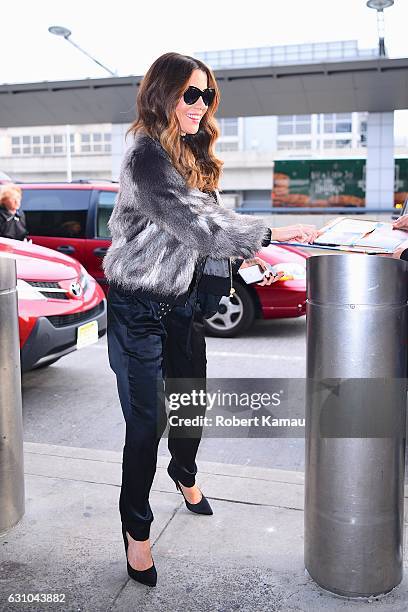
(319, 183)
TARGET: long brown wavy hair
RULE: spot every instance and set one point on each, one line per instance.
(159, 93)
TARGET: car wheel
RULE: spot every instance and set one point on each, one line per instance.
(234, 315)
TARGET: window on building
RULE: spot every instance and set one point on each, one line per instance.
(265, 53)
(238, 60)
(226, 146)
(225, 57)
(278, 57)
(285, 145)
(36, 145)
(363, 133)
(337, 123)
(337, 144)
(294, 124)
(343, 144)
(303, 144)
(228, 126)
(260, 56)
(40, 144)
(252, 55)
(96, 142)
(343, 126)
(291, 145)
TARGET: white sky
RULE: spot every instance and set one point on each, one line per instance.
(128, 35)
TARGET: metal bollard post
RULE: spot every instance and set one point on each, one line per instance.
(354, 483)
(11, 428)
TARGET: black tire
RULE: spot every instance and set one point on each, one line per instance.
(233, 318)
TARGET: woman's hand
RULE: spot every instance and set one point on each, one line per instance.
(270, 278)
(401, 223)
(298, 232)
(397, 253)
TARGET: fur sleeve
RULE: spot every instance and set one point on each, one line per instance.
(188, 214)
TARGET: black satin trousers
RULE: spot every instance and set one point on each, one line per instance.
(154, 358)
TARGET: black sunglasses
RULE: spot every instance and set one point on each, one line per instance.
(192, 94)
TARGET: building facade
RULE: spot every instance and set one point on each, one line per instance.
(249, 146)
(41, 153)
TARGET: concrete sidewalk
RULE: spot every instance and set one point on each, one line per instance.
(248, 556)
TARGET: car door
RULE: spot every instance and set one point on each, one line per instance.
(57, 218)
(103, 201)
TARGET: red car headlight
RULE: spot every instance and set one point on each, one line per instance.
(292, 271)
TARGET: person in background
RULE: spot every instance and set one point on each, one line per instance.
(12, 220)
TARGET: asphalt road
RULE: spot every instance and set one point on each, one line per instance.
(74, 402)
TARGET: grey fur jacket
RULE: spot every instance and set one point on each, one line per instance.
(160, 227)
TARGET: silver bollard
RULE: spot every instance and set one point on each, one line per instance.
(354, 484)
(11, 427)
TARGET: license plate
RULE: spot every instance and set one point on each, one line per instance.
(87, 334)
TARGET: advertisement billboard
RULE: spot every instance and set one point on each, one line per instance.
(322, 183)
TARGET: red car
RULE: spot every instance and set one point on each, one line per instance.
(60, 306)
(72, 218)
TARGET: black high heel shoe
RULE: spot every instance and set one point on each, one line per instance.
(201, 507)
(147, 576)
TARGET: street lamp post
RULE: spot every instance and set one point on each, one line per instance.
(65, 33)
(379, 6)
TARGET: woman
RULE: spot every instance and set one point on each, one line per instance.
(12, 221)
(171, 241)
